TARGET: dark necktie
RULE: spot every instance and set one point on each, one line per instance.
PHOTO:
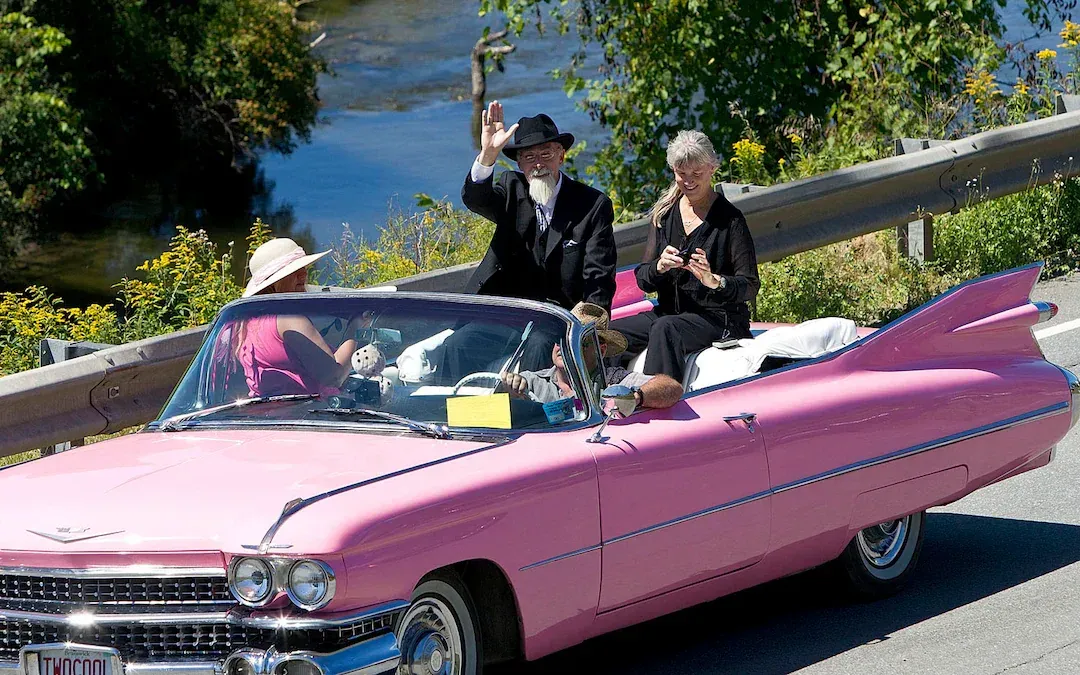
(541, 235)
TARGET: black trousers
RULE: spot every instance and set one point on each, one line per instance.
(476, 347)
(670, 338)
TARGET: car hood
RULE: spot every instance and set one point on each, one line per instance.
(191, 491)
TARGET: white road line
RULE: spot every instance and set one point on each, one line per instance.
(1060, 328)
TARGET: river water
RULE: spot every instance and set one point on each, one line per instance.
(396, 122)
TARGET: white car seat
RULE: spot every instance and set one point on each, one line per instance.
(807, 340)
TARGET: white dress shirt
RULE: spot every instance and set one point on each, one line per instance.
(480, 173)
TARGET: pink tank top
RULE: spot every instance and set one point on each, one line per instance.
(268, 367)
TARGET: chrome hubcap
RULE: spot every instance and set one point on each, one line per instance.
(430, 640)
(881, 544)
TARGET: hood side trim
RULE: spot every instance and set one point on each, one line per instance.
(296, 505)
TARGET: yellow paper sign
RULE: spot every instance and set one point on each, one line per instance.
(492, 411)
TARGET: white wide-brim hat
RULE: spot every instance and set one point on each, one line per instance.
(275, 260)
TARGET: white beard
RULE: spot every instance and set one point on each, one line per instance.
(541, 188)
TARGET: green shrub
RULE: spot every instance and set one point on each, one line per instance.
(989, 236)
(27, 318)
(184, 287)
(435, 237)
(863, 279)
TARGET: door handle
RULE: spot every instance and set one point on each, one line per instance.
(747, 417)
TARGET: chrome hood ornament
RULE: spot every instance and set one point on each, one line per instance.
(66, 535)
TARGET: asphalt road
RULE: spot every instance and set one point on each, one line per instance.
(997, 590)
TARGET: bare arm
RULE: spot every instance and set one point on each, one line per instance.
(303, 340)
(661, 391)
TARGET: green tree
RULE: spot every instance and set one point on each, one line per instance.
(43, 150)
(723, 65)
(181, 91)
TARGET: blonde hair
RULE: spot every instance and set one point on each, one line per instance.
(688, 148)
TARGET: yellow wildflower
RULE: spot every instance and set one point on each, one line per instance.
(1046, 55)
(981, 86)
(781, 161)
(1071, 35)
(747, 151)
(795, 138)
(1021, 88)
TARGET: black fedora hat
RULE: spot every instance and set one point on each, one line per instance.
(536, 131)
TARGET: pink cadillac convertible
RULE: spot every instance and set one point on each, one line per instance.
(417, 520)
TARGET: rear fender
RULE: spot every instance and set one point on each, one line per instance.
(988, 316)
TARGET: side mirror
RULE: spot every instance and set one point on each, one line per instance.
(619, 399)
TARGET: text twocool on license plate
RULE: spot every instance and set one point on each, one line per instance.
(74, 662)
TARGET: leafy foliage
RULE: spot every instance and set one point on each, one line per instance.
(879, 68)
(184, 287)
(43, 147)
(434, 237)
(151, 94)
(27, 318)
(993, 235)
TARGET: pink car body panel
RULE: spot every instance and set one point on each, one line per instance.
(676, 507)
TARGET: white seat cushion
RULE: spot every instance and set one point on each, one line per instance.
(807, 340)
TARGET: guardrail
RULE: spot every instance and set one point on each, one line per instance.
(127, 385)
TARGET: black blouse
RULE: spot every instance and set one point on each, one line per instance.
(725, 238)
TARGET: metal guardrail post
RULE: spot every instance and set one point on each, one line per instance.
(51, 351)
(915, 239)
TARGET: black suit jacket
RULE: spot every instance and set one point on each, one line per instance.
(580, 262)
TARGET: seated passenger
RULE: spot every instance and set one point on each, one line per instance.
(699, 260)
(552, 384)
(287, 354)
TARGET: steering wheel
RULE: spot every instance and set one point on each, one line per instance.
(487, 376)
(478, 376)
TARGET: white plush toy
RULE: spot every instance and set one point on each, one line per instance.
(368, 362)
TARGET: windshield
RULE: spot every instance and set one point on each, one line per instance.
(437, 361)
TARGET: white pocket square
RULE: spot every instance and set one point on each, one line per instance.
(568, 243)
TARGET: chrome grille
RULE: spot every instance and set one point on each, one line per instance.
(361, 629)
(136, 642)
(63, 595)
(192, 642)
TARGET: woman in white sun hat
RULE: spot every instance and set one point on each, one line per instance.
(286, 354)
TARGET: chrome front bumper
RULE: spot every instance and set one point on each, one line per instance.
(372, 656)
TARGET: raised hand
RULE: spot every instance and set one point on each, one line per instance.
(700, 268)
(493, 133)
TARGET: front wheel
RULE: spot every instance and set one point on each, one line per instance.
(879, 560)
(438, 635)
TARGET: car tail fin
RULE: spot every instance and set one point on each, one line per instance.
(991, 315)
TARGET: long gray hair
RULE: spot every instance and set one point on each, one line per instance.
(687, 149)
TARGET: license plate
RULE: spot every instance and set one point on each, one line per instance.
(71, 660)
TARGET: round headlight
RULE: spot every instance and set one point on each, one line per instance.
(252, 581)
(311, 584)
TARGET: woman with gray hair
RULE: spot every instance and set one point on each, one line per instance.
(699, 260)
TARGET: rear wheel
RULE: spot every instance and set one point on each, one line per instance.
(437, 634)
(879, 560)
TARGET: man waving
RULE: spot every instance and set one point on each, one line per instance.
(553, 237)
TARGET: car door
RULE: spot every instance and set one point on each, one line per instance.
(684, 496)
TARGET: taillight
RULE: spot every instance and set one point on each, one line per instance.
(1047, 310)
